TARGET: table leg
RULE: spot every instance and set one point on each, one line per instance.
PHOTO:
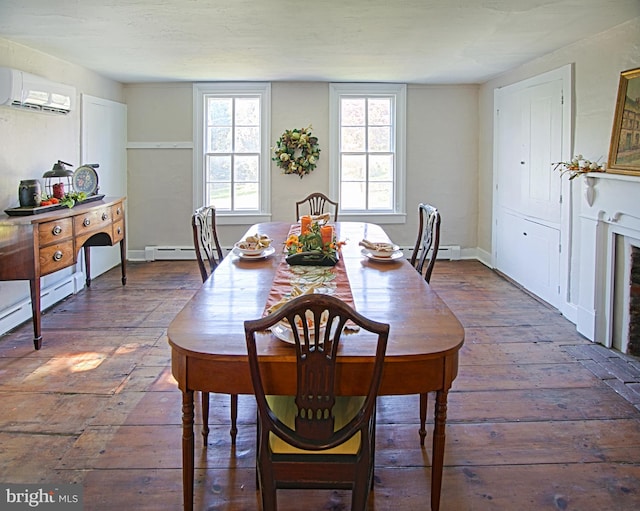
(440, 421)
(123, 260)
(187, 449)
(34, 286)
(87, 264)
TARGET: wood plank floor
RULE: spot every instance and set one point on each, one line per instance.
(539, 418)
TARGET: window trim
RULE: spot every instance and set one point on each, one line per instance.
(200, 91)
(399, 91)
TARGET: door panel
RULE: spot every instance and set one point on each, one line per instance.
(528, 212)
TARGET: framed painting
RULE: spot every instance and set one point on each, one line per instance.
(624, 152)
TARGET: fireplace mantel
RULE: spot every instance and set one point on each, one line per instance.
(609, 211)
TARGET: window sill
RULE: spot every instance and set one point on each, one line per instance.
(239, 219)
(376, 218)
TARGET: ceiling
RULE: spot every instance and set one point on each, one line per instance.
(407, 41)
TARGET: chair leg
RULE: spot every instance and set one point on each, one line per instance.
(234, 418)
(205, 418)
(424, 399)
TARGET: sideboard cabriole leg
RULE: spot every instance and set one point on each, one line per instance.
(440, 421)
(34, 287)
(187, 449)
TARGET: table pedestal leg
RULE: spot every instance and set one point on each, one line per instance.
(187, 449)
(440, 421)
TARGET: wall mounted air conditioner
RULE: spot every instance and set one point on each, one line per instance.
(24, 90)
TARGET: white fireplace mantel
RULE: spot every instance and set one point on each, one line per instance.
(609, 209)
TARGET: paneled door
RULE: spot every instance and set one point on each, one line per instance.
(104, 138)
(528, 212)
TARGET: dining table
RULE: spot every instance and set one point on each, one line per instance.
(209, 354)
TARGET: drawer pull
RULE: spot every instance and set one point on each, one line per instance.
(56, 230)
(57, 255)
(119, 230)
(118, 211)
(104, 216)
(86, 222)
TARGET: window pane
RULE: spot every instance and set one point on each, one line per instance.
(354, 167)
(219, 140)
(220, 111)
(352, 196)
(352, 112)
(246, 168)
(380, 196)
(352, 140)
(247, 111)
(219, 168)
(246, 196)
(380, 139)
(220, 195)
(381, 167)
(380, 111)
(247, 140)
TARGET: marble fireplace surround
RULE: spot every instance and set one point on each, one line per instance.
(609, 224)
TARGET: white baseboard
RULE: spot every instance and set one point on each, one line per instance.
(20, 312)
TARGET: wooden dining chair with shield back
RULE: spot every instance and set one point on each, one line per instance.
(316, 204)
(209, 254)
(423, 260)
(316, 438)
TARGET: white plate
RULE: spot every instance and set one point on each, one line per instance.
(392, 257)
(284, 333)
(262, 255)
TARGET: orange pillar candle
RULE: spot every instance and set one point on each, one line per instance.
(326, 231)
(305, 224)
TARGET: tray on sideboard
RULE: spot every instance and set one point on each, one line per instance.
(35, 210)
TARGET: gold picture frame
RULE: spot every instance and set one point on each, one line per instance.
(624, 152)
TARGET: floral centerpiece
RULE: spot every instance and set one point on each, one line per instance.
(578, 166)
(297, 152)
(315, 245)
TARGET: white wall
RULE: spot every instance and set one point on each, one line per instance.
(441, 160)
(597, 63)
(32, 142)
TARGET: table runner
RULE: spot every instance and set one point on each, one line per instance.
(332, 278)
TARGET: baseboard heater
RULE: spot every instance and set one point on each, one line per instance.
(168, 253)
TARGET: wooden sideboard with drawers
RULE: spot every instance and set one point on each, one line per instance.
(37, 245)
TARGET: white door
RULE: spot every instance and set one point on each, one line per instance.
(104, 137)
(529, 137)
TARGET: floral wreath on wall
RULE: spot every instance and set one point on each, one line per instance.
(297, 152)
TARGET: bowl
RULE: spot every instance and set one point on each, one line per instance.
(383, 249)
(250, 249)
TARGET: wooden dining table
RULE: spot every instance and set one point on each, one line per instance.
(208, 350)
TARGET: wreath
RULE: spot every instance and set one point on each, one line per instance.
(297, 152)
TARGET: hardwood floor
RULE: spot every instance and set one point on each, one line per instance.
(539, 418)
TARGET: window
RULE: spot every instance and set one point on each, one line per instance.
(367, 147)
(231, 150)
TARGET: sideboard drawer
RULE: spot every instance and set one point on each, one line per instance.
(55, 231)
(117, 212)
(56, 257)
(118, 231)
(93, 220)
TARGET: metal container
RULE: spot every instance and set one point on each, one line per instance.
(29, 193)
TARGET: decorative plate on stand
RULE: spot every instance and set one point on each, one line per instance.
(85, 179)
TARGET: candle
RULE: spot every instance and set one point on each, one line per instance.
(305, 224)
(326, 231)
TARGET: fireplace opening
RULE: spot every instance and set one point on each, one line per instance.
(633, 341)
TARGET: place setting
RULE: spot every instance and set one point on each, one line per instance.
(254, 247)
(381, 252)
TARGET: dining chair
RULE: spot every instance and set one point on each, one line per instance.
(315, 438)
(426, 252)
(209, 255)
(316, 203)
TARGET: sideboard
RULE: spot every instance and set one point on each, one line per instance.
(36, 245)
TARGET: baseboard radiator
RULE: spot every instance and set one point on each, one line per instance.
(159, 253)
